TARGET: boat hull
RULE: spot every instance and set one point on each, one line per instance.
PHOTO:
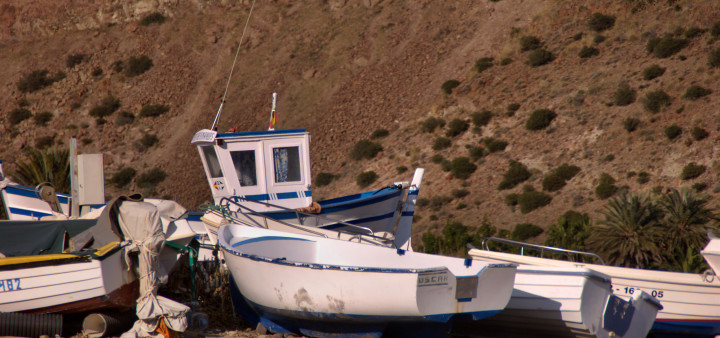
(691, 302)
(68, 286)
(299, 284)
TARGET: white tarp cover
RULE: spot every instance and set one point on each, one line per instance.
(141, 225)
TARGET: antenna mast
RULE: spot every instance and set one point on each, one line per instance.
(222, 103)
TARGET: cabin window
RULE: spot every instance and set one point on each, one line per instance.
(287, 164)
(244, 162)
(212, 161)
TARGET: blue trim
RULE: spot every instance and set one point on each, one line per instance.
(30, 192)
(413, 192)
(287, 195)
(269, 238)
(407, 213)
(464, 300)
(359, 221)
(674, 328)
(361, 199)
(261, 132)
(25, 212)
(320, 266)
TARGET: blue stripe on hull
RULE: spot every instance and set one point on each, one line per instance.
(326, 211)
(681, 328)
(30, 192)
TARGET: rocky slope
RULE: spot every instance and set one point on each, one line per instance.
(344, 69)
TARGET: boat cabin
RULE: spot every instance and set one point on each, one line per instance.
(268, 166)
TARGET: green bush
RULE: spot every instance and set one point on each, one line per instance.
(34, 81)
(525, 231)
(656, 100)
(379, 133)
(44, 142)
(624, 95)
(643, 177)
(673, 131)
(462, 168)
(631, 124)
(511, 199)
(481, 118)
(652, 72)
(531, 200)
(476, 153)
(714, 58)
(18, 115)
(97, 72)
(322, 179)
(695, 92)
(437, 159)
(587, 52)
(665, 46)
(694, 32)
(600, 22)
(437, 202)
(42, 119)
(483, 64)
(149, 140)
(516, 174)
(150, 179)
(456, 127)
(152, 18)
(106, 107)
(124, 117)
(512, 108)
(137, 65)
(365, 149)
(529, 43)
(460, 193)
(494, 145)
(691, 171)
(606, 187)
(123, 177)
(698, 133)
(599, 38)
(153, 110)
(432, 123)
(401, 169)
(699, 186)
(715, 30)
(559, 176)
(540, 119)
(448, 86)
(366, 178)
(441, 143)
(74, 60)
(539, 57)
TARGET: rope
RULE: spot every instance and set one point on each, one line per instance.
(237, 52)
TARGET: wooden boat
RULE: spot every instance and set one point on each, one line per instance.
(690, 302)
(52, 280)
(273, 167)
(303, 284)
(567, 302)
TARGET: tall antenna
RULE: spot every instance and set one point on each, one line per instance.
(273, 113)
(217, 115)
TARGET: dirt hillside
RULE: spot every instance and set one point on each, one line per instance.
(344, 69)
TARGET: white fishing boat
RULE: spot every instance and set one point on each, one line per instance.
(293, 283)
(568, 301)
(690, 302)
(273, 168)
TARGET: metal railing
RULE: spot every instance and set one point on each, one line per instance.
(541, 248)
(356, 232)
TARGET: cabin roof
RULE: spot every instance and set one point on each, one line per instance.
(260, 133)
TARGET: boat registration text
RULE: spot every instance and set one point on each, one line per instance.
(8, 285)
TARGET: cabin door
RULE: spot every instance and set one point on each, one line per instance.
(247, 175)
